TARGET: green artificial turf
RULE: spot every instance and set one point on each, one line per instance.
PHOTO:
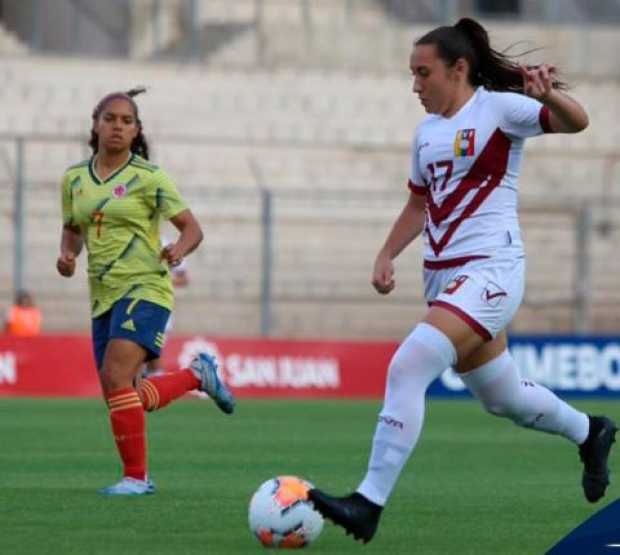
(475, 484)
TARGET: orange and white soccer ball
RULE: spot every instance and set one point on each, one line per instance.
(281, 515)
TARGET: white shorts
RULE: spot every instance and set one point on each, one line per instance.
(485, 293)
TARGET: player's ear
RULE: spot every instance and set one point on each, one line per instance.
(461, 67)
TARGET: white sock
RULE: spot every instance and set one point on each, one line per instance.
(421, 358)
(498, 386)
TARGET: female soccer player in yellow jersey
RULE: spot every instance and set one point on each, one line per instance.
(113, 203)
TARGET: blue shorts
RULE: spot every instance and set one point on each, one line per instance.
(140, 321)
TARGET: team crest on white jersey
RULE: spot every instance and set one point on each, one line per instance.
(464, 142)
(119, 191)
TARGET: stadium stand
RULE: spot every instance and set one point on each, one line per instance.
(10, 44)
(333, 147)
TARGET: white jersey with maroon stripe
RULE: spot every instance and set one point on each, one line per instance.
(468, 167)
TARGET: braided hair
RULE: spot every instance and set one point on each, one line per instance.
(139, 145)
(494, 70)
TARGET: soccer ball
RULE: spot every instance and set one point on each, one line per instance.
(281, 515)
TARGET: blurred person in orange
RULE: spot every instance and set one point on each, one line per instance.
(24, 318)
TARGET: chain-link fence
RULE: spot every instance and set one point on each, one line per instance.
(289, 261)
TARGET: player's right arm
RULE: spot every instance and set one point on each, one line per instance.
(71, 241)
(71, 244)
(409, 224)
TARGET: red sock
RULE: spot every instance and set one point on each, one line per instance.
(158, 391)
(127, 417)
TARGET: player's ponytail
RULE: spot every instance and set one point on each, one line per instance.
(490, 68)
(139, 145)
(140, 89)
(494, 70)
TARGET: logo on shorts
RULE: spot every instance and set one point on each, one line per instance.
(128, 325)
(455, 284)
(160, 339)
(119, 190)
(493, 294)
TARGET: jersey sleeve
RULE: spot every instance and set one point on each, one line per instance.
(522, 116)
(164, 197)
(67, 202)
(416, 183)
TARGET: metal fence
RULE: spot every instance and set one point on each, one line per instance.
(297, 262)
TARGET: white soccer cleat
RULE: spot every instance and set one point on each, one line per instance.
(130, 486)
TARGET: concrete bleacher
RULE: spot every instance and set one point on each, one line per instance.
(334, 148)
(323, 250)
(341, 33)
(10, 44)
(285, 109)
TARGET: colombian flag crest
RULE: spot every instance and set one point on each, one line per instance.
(464, 142)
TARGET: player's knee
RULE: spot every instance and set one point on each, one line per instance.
(407, 360)
(406, 368)
(397, 370)
(113, 378)
(109, 382)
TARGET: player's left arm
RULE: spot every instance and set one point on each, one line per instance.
(164, 197)
(566, 115)
(190, 236)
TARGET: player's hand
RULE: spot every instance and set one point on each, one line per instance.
(537, 80)
(66, 264)
(383, 274)
(172, 254)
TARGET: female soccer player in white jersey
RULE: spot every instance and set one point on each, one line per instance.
(113, 203)
(466, 157)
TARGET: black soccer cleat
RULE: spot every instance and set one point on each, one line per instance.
(594, 452)
(356, 514)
